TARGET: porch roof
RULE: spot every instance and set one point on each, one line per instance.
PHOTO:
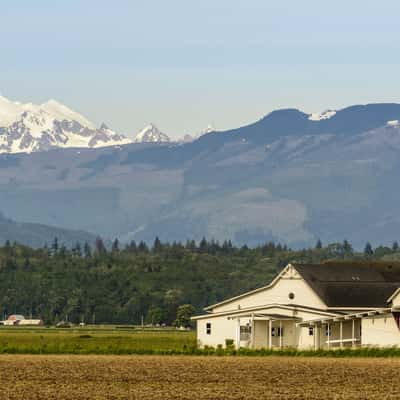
(265, 317)
(345, 317)
(261, 310)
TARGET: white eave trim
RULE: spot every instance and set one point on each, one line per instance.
(266, 307)
(355, 308)
(396, 292)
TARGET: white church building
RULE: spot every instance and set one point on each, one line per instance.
(311, 306)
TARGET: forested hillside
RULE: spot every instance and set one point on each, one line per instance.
(122, 285)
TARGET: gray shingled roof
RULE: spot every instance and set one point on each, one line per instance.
(352, 284)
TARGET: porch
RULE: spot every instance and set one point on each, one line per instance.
(336, 332)
(272, 331)
(340, 331)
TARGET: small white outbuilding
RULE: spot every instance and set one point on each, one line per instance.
(311, 306)
(19, 319)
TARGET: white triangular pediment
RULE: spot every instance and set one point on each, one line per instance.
(289, 272)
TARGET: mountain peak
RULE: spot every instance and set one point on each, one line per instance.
(285, 113)
(28, 127)
(62, 112)
(151, 134)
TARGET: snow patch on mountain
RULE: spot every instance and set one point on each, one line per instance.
(321, 116)
(27, 127)
(151, 134)
(61, 112)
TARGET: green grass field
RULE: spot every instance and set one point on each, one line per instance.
(123, 341)
(93, 340)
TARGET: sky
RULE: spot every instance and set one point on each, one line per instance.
(183, 65)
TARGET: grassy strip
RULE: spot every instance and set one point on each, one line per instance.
(119, 342)
(57, 348)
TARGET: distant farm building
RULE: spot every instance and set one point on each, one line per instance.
(18, 319)
(313, 306)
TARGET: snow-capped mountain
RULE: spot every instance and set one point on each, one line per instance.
(27, 128)
(283, 178)
(151, 134)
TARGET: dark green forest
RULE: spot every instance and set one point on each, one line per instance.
(123, 284)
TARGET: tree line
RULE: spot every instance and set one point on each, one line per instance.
(162, 283)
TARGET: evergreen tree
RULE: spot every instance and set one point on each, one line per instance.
(77, 250)
(318, 244)
(395, 246)
(347, 247)
(203, 245)
(132, 246)
(54, 246)
(157, 246)
(368, 251)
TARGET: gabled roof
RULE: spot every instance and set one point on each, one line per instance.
(352, 284)
(344, 284)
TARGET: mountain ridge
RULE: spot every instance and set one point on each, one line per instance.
(282, 178)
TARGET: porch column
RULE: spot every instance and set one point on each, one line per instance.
(238, 334)
(353, 332)
(328, 331)
(316, 337)
(252, 332)
(270, 335)
(280, 336)
(341, 334)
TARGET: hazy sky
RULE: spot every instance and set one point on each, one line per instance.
(186, 64)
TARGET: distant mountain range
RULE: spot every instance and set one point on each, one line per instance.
(291, 177)
(38, 235)
(27, 128)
